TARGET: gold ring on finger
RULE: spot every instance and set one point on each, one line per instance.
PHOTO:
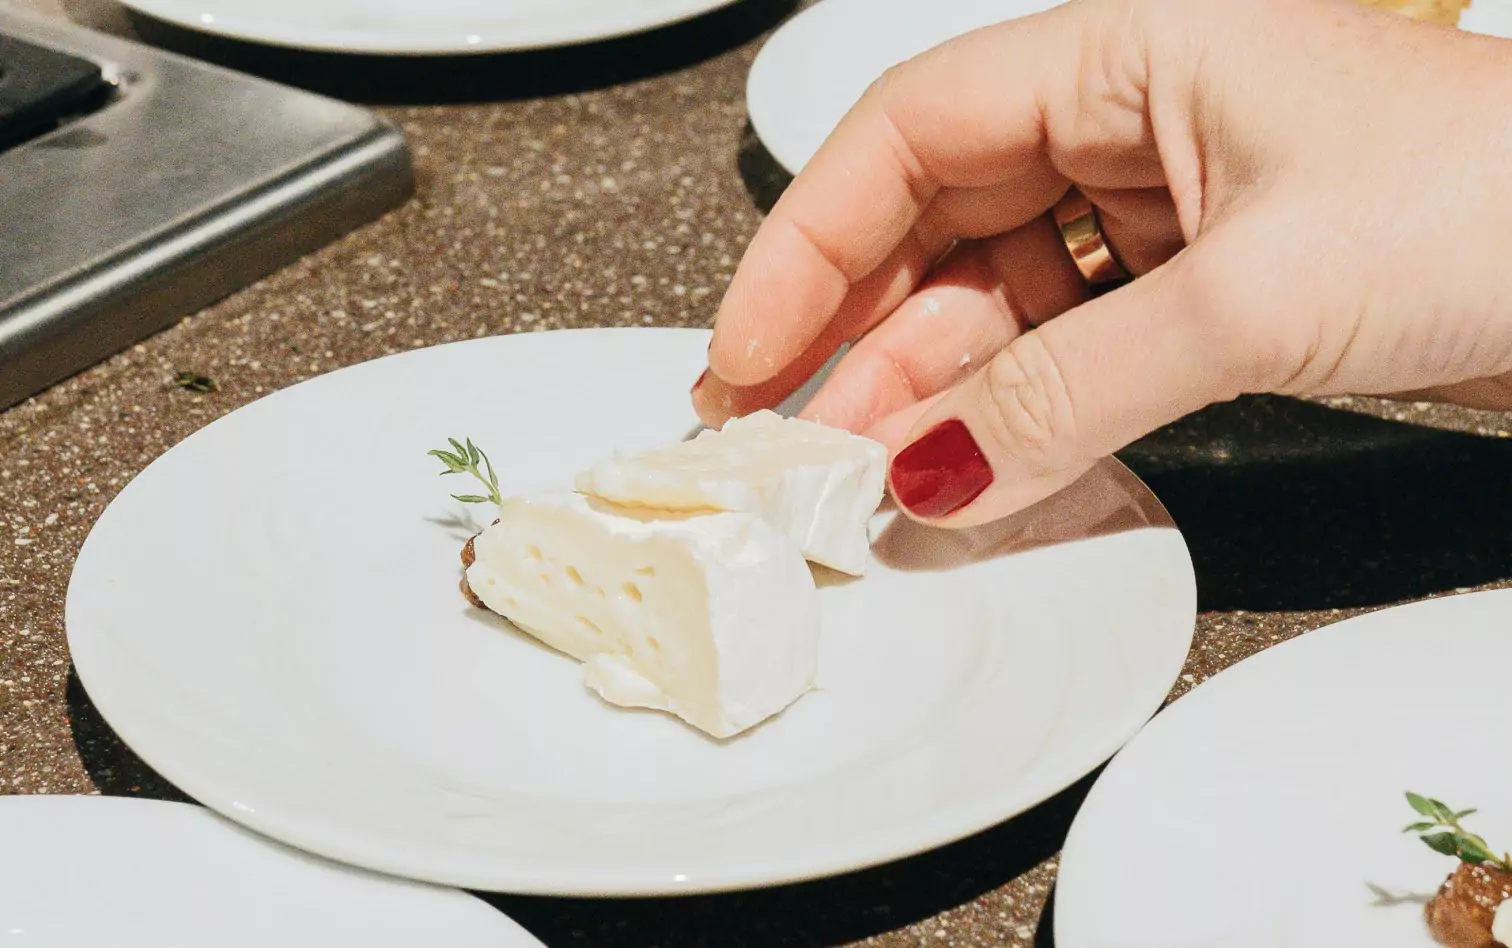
(1082, 231)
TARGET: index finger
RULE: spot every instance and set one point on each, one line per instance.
(973, 113)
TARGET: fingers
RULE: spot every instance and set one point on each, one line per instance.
(956, 320)
(893, 430)
(1140, 225)
(1059, 398)
(963, 213)
(983, 296)
(985, 111)
(868, 303)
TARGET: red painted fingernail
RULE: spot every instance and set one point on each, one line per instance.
(701, 377)
(941, 472)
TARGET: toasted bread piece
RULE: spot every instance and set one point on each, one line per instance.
(1442, 12)
(468, 555)
(467, 560)
(1460, 915)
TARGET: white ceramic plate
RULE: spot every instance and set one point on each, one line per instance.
(269, 615)
(78, 871)
(424, 26)
(1264, 809)
(1491, 17)
(818, 64)
(815, 67)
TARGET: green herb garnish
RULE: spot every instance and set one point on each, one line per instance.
(1442, 833)
(464, 460)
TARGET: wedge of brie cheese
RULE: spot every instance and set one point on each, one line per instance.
(818, 485)
(713, 617)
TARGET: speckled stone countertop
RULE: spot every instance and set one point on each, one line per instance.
(617, 186)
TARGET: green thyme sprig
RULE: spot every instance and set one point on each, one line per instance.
(1442, 833)
(464, 459)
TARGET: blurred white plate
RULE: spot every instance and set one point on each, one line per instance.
(269, 616)
(1491, 17)
(1265, 808)
(84, 871)
(813, 69)
(429, 27)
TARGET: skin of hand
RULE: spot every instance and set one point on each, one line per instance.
(1313, 197)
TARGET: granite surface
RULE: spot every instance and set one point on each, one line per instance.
(617, 185)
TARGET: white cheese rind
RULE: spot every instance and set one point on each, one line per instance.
(818, 485)
(1501, 923)
(712, 617)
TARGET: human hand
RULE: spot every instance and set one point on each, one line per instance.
(1312, 195)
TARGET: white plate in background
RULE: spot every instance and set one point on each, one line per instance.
(85, 871)
(1265, 808)
(430, 27)
(815, 67)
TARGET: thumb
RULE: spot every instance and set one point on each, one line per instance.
(1073, 391)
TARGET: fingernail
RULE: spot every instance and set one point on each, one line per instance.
(941, 472)
(701, 377)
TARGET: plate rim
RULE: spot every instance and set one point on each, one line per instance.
(984, 812)
(674, 12)
(760, 116)
(757, 105)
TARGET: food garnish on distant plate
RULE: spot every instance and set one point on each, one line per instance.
(1473, 908)
(680, 576)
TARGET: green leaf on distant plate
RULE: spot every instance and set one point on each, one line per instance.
(1473, 851)
(1420, 803)
(1444, 843)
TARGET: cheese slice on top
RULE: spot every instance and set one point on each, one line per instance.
(712, 617)
(817, 485)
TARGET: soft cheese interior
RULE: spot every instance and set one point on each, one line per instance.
(710, 616)
(818, 485)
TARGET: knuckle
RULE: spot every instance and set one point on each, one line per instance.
(912, 72)
(877, 90)
(1029, 406)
